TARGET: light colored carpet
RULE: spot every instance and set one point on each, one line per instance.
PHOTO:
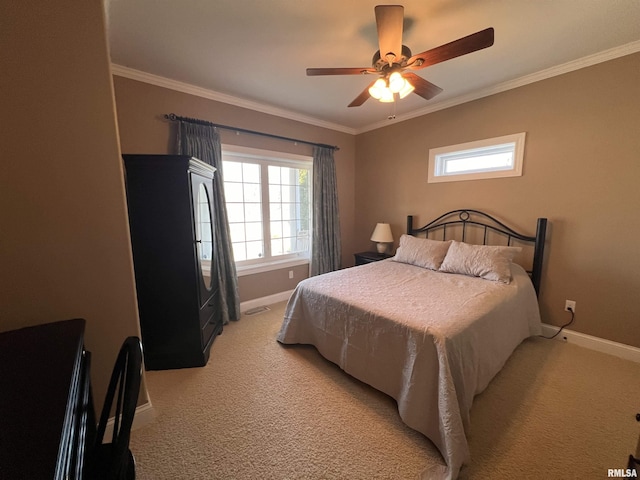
(259, 410)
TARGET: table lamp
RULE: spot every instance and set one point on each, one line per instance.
(382, 235)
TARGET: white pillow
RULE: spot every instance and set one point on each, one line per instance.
(422, 252)
(484, 261)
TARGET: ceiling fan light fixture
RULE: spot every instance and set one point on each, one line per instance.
(385, 90)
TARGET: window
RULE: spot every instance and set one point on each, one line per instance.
(491, 158)
(268, 196)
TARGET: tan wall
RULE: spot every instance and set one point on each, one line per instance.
(141, 107)
(264, 284)
(64, 245)
(581, 167)
(581, 170)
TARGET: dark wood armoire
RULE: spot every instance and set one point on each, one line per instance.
(169, 200)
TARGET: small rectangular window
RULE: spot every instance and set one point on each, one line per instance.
(490, 158)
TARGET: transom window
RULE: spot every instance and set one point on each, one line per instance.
(490, 158)
(268, 196)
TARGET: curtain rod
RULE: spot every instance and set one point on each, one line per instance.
(175, 118)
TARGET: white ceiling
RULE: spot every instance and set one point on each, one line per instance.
(255, 52)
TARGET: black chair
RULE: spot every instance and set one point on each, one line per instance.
(114, 461)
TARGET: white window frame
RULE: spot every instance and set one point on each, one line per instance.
(269, 157)
(439, 156)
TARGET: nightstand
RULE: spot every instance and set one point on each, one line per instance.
(368, 257)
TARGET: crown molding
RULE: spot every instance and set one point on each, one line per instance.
(164, 82)
(571, 66)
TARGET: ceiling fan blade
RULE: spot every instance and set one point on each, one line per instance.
(462, 46)
(424, 88)
(340, 71)
(389, 19)
(363, 97)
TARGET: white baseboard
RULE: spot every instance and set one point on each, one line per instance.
(143, 416)
(593, 343)
(268, 300)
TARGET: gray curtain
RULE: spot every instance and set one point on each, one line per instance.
(203, 143)
(326, 250)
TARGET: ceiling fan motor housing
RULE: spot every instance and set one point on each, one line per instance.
(382, 64)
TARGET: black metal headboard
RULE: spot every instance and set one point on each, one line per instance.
(462, 219)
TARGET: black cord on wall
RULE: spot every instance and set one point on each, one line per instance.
(573, 315)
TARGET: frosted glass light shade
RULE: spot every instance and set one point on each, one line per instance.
(378, 88)
(396, 82)
(387, 96)
(406, 89)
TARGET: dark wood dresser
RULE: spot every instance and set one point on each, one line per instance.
(46, 410)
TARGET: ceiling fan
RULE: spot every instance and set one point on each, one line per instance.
(394, 64)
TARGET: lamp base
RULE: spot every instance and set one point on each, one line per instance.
(382, 247)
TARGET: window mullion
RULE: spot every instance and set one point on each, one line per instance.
(266, 220)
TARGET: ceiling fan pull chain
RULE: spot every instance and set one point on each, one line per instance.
(392, 116)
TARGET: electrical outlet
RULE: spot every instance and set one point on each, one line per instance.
(570, 306)
(290, 273)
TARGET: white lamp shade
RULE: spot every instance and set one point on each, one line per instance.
(382, 233)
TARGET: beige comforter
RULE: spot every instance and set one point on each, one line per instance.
(430, 340)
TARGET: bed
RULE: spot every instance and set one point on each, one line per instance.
(431, 326)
